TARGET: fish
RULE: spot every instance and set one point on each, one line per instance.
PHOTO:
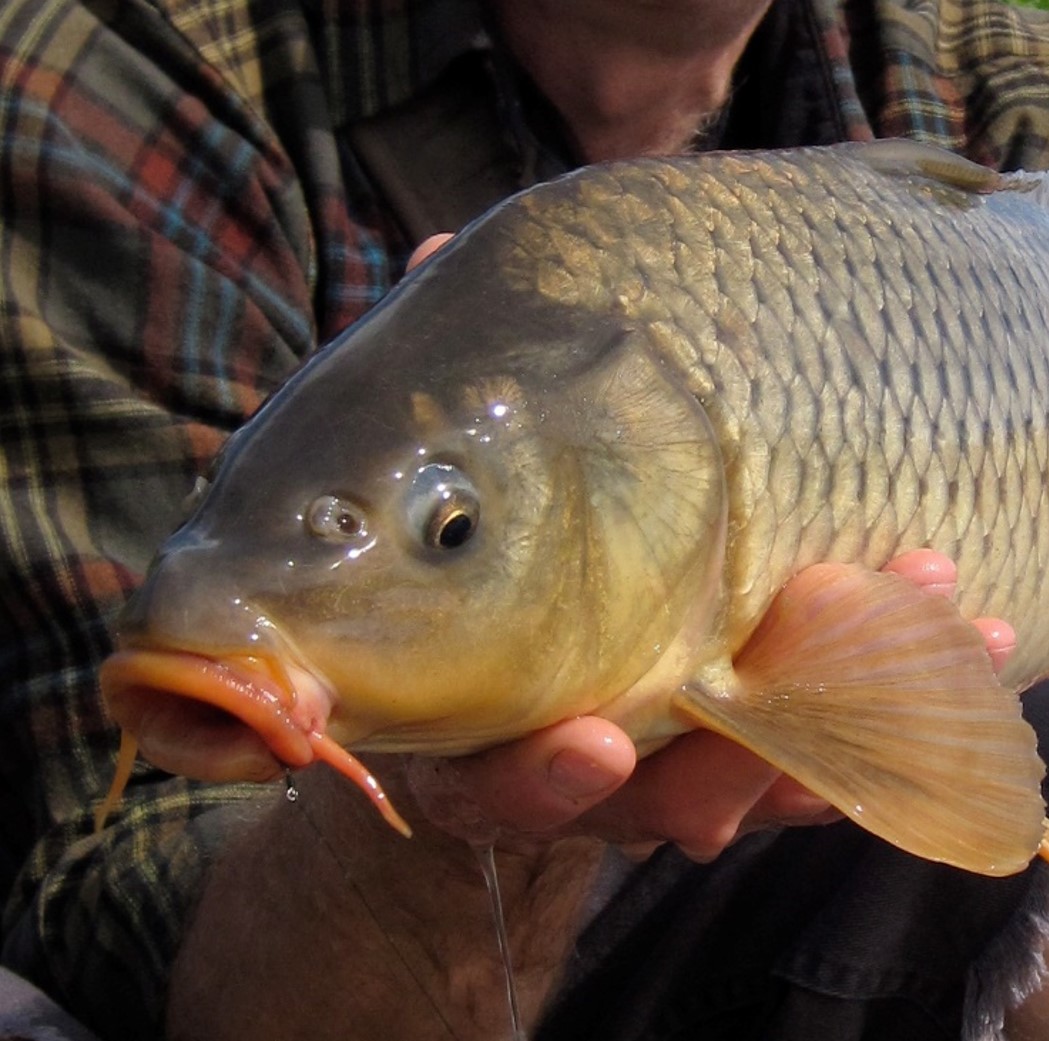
(635, 444)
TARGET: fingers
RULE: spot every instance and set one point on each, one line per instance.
(935, 573)
(693, 793)
(701, 793)
(788, 803)
(929, 571)
(427, 248)
(536, 785)
(1000, 638)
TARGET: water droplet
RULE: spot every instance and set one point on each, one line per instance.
(291, 793)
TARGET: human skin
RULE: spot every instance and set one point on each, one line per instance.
(319, 922)
(634, 77)
(322, 923)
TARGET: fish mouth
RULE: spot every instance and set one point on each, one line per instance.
(228, 718)
(213, 719)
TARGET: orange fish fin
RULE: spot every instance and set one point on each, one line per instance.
(882, 700)
(905, 158)
(125, 764)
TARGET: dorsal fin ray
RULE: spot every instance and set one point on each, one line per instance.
(903, 158)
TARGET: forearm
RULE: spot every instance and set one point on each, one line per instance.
(322, 922)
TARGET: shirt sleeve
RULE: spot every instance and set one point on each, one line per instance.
(166, 258)
(968, 75)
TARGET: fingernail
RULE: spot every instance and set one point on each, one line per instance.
(638, 852)
(1000, 638)
(577, 777)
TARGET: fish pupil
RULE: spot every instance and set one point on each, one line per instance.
(455, 531)
(443, 507)
(349, 523)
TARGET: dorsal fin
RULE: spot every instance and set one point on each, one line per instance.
(903, 158)
(1035, 184)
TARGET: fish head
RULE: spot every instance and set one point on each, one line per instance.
(479, 511)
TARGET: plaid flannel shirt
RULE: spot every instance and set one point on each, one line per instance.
(181, 222)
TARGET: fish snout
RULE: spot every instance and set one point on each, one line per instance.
(206, 683)
(190, 599)
(237, 715)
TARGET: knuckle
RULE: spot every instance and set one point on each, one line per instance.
(703, 838)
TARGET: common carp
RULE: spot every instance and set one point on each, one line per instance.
(589, 459)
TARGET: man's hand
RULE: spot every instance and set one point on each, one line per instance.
(701, 792)
(341, 929)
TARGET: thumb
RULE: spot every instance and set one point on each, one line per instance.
(537, 784)
(427, 248)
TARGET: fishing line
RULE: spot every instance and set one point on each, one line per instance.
(292, 794)
(486, 857)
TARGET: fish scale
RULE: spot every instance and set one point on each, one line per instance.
(635, 444)
(898, 229)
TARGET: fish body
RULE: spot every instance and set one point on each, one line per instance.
(586, 459)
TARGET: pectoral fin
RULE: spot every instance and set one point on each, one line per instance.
(881, 699)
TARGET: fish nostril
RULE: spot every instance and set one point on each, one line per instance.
(336, 519)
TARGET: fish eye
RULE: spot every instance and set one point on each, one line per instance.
(443, 506)
(335, 519)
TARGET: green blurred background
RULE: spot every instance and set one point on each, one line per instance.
(1043, 4)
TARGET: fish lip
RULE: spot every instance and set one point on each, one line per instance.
(220, 719)
(214, 717)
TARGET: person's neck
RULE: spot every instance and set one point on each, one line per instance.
(631, 77)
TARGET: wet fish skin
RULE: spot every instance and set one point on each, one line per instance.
(668, 386)
(871, 353)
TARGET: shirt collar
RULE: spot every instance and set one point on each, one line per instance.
(793, 85)
(377, 55)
